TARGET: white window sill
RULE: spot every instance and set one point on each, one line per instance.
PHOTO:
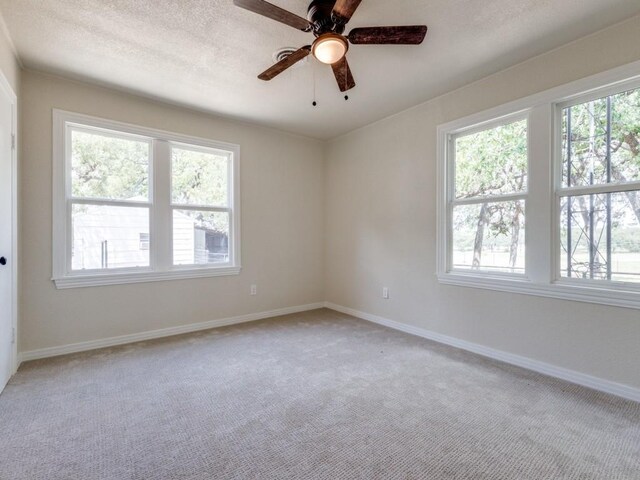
(563, 289)
(96, 280)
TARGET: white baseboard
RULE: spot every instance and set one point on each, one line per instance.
(572, 376)
(613, 388)
(164, 332)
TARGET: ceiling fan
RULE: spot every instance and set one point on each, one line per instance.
(327, 19)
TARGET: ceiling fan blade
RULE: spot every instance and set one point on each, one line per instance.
(343, 9)
(285, 63)
(407, 35)
(343, 75)
(275, 13)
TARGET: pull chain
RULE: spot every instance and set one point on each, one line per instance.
(313, 73)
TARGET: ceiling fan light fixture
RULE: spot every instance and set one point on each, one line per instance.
(326, 20)
(330, 48)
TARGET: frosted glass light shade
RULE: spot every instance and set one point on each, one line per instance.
(330, 48)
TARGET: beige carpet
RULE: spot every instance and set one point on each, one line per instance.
(317, 395)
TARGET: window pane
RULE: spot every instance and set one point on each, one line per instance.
(600, 141)
(107, 237)
(200, 238)
(600, 237)
(199, 178)
(104, 166)
(492, 162)
(489, 236)
(625, 136)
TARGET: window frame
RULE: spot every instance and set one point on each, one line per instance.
(159, 203)
(71, 200)
(200, 208)
(544, 184)
(597, 189)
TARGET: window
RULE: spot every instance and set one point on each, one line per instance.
(542, 196)
(201, 213)
(109, 198)
(133, 204)
(600, 194)
(488, 202)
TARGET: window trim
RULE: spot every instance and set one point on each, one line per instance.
(545, 165)
(159, 267)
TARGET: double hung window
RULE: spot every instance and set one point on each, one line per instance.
(489, 190)
(133, 204)
(542, 196)
(600, 192)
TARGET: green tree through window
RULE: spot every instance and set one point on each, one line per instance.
(488, 228)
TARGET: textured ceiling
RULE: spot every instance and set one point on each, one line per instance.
(206, 54)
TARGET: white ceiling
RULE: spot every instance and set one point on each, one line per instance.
(206, 54)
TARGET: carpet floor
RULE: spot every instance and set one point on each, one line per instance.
(316, 395)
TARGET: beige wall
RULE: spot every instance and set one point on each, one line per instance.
(380, 215)
(282, 237)
(8, 63)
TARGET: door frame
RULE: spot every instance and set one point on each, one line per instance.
(13, 100)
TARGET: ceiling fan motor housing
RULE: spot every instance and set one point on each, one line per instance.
(319, 14)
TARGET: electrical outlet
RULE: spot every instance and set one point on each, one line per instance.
(385, 292)
(254, 289)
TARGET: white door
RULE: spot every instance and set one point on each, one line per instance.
(6, 234)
